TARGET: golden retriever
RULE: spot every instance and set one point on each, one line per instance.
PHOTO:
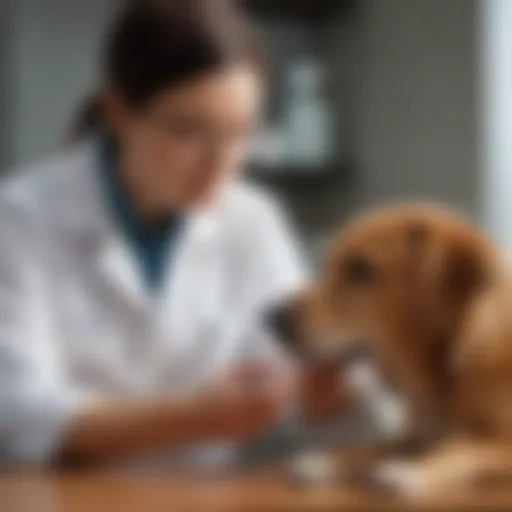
(424, 295)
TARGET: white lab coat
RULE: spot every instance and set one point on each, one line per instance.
(75, 319)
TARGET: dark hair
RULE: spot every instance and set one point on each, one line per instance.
(155, 44)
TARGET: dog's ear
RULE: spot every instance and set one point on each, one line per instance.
(467, 269)
(453, 265)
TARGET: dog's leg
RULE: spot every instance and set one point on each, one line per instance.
(452, 466)
(350, 463)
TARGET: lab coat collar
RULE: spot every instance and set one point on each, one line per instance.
(88, 217)
(119, 267)
(117, 262)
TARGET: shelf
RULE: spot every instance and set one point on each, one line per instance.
(293, 178)
(301, 9)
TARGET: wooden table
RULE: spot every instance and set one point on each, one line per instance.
(73, 492)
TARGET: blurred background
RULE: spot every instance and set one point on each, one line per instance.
(372, 100)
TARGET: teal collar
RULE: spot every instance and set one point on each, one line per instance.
(151, 246)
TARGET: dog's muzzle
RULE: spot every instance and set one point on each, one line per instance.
(282, 322)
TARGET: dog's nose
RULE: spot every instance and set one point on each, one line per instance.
(280, 319)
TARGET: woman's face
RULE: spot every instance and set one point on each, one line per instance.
(188, 140)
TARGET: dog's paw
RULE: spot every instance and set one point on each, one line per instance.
(403, 478)
(312, 468)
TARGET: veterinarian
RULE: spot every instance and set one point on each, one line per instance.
(135, 264)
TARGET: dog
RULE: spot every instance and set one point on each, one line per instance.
(424, 295)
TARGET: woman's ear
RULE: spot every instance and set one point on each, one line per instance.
(115, 110)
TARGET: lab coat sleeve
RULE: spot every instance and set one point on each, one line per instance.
(35, 402)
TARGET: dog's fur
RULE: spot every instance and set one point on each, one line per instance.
(427, 296)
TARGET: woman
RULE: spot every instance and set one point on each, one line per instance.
(135, 265)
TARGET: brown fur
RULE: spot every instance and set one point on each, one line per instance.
(426, 293)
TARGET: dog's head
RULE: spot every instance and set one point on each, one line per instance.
(395, 286)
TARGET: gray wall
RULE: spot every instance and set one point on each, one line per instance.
(5, 84)
(417, 108)
(52, 51)
(407, 75)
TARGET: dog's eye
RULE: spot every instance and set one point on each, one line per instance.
(358, 270)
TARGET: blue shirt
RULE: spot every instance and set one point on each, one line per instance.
(152, 246)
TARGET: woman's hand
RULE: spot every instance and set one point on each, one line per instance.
(250, 399)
